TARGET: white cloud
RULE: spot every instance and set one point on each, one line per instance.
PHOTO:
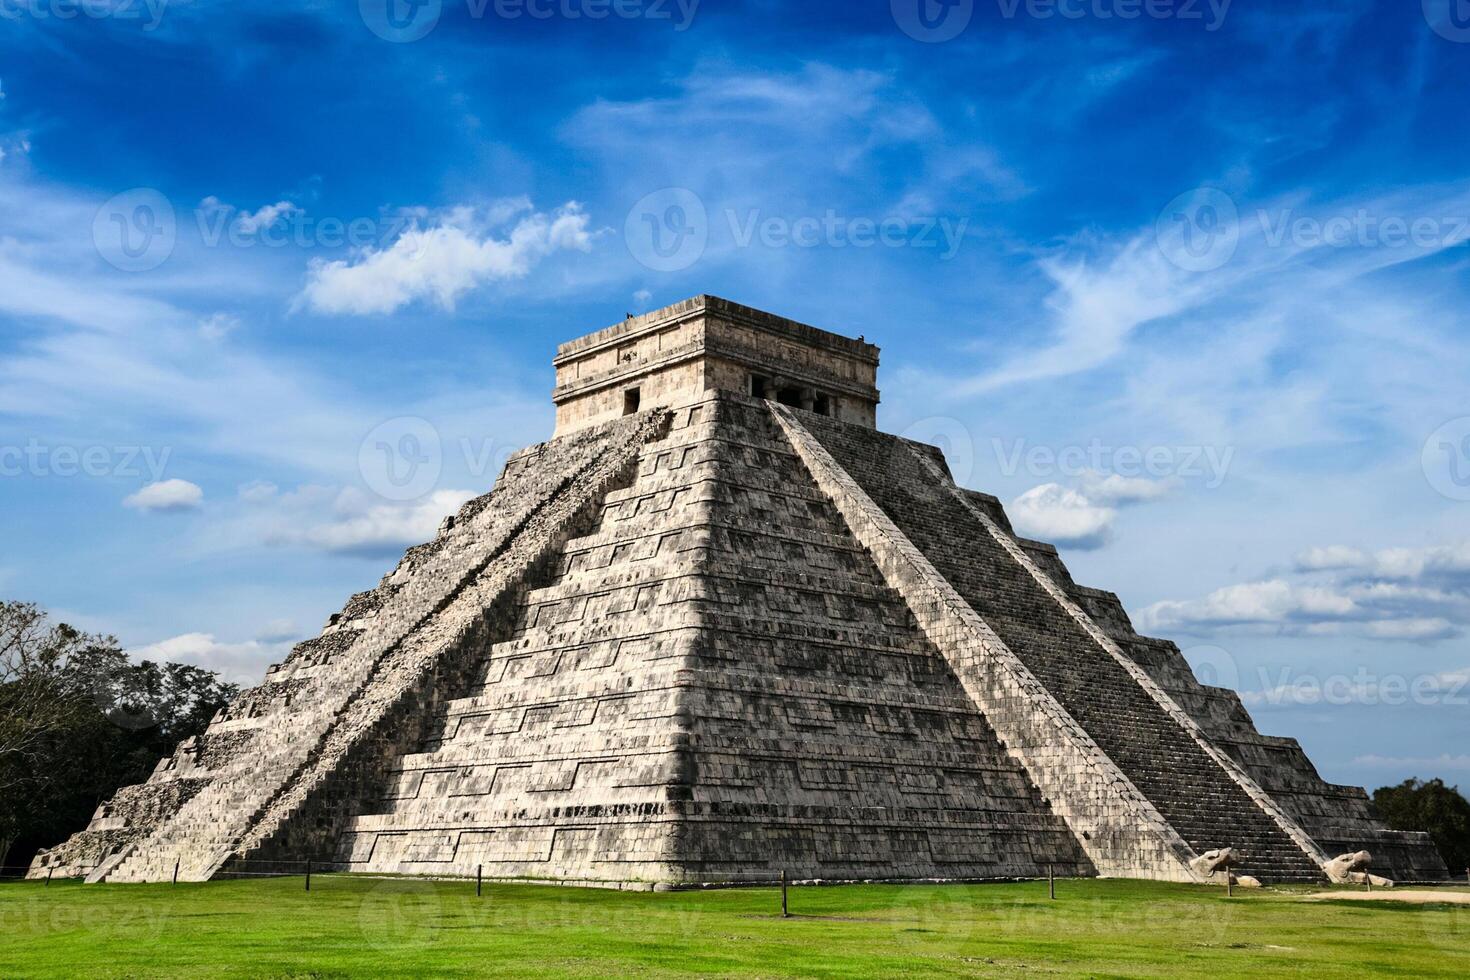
(1419, 630)
(258, 491)
(1256, 602)
(1064, 517)
(109, 359)
(763, 109)
(1114, 490)
(250, 222)
(1363, 687)
(1279, 606)
(1082, 517)
(266, 216)
(240, 663)
(1417, 563)
(278, 631)
(218, 326)
(347, 521)
(383, 527)
(1417, 595)
(18, 142)
(1096, 309)
(1099, 302)
(442, 262)
(1330, 558)
(167, 495)
(832, 132)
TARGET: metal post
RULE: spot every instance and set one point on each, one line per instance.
(176, 871)
(479, 876)
(1051, 881)
(1229, 884)
(784, 914)
(308, 874)
(49, 872)
(1368, 880)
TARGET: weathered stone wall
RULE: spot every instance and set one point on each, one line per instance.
(673, 354)
(1208, 803)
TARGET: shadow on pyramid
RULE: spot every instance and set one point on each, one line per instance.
(721, 628)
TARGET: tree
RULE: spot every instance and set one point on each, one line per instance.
(79, 720)
(33, 699)
(1433, 807)
(37, 702)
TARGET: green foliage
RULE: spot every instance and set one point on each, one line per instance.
(1439, 810)
(79, 720)
(350, 926)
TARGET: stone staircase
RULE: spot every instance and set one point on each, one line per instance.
(427, 619)
(1199, 798)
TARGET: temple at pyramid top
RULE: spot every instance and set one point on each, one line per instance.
(669, 356)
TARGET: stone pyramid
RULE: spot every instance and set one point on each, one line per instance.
(720, 627)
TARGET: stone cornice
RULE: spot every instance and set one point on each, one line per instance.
(701, 305)
(715, 348)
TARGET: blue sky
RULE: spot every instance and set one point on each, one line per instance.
(1183, 282)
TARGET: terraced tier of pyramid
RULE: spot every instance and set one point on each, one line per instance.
(718, 628)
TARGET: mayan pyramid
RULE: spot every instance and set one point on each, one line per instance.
(721, 627)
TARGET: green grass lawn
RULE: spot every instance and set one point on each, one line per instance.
(364, 926)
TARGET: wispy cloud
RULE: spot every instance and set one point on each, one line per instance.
(442, 262)
(1396, 594)
(820, 126)
(1282, 252)
(248, 222)
(334, 520)
(1435, 562)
